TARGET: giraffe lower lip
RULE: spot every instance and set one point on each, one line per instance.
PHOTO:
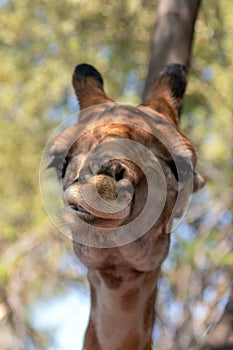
(79, 208)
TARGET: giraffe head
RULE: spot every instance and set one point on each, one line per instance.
(126, 171)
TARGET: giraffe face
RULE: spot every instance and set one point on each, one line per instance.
(126, 172)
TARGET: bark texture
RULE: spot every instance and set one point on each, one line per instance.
(172, 36)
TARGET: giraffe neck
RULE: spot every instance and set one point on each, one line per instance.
(122, 310)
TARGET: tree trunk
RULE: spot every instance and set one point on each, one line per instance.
(172, 36)
(221, 337)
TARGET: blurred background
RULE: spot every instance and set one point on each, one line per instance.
(44, 298)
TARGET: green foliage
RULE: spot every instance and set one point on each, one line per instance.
(41, 42)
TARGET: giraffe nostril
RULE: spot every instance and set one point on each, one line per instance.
(114, 169)
(120, 175)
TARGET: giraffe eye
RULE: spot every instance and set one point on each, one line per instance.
(64, 166)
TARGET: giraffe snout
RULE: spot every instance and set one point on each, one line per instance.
(106, 195)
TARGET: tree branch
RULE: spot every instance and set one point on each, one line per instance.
(172, 36)
(221, 337)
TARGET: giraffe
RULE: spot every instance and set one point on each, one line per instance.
(124, 273)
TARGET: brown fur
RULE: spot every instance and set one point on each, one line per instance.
(130, 298)
(131, 341)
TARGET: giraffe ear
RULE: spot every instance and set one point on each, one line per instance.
(62, 143)
(167, 91)
(183, 198)
(88, 86)
(198, 182)
(60, 147)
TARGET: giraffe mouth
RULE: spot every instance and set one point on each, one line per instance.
(79, 209)
(114, 200)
